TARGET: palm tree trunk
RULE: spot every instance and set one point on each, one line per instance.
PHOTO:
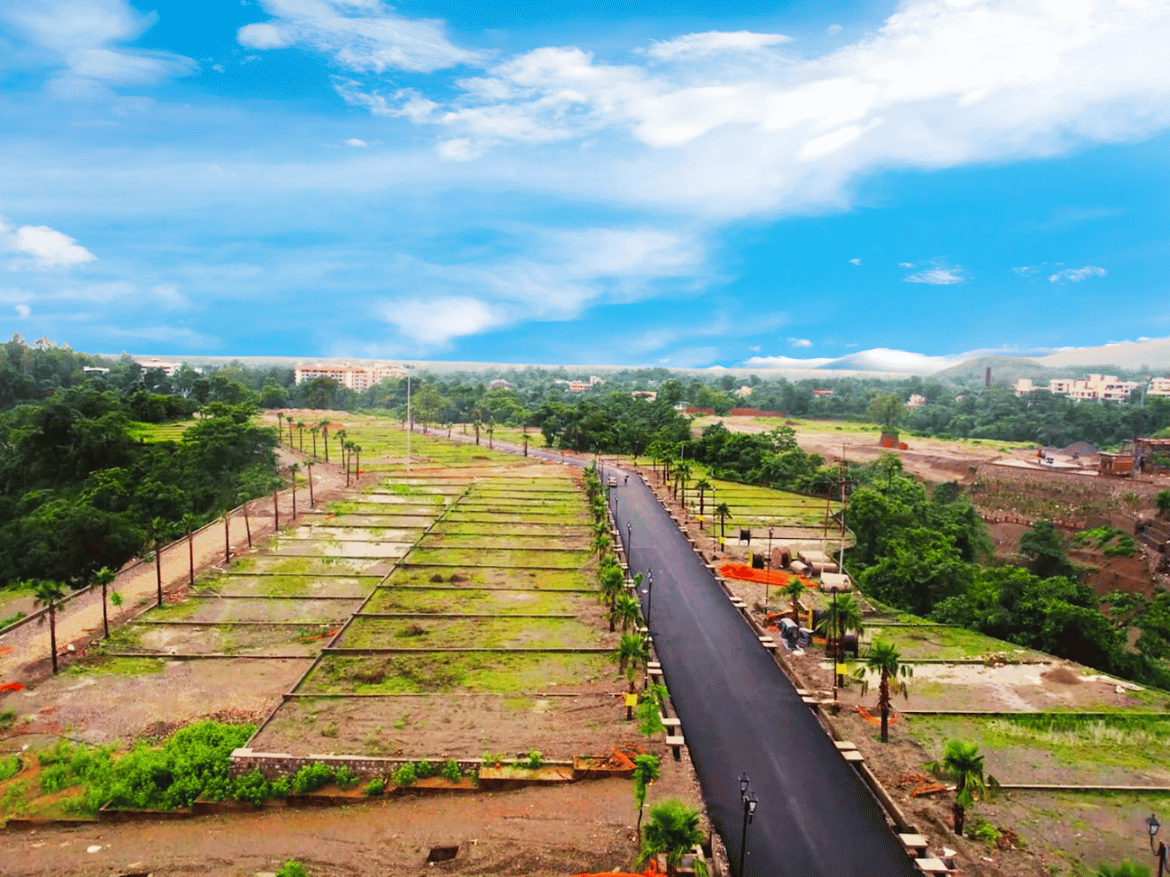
(247, 523)
(325, 439)
(53, 635)
(884, 705)
(227, 538)
(191, 557)
(276, 509)
(105, 614)
(309, 468)
(158, 568)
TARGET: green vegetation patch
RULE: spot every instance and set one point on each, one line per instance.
(949, 643)
(468, 601)
(487, 633)
(470, 671)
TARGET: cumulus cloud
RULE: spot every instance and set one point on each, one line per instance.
(23, 310)
(854, 261)
(800, 342)
(939, 275)
(439, 320)
(939, 84)
(360, 35)
(353, 141)
(1076, 275)
(41, 248)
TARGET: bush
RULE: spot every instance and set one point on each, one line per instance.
(405, 775)
(9, 767)
(452, 772)
(292, 868)
(7, 719)
(346, 779)
(55, 778)
(1162, 501)
(253, 788)
(535, 758)
(280, 788)
(311, 777)
(424, 769)
(375, 787)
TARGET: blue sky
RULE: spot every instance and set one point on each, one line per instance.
(703, 183)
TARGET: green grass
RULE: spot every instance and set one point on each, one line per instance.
(151, 433)
(483, 671)
(488, 633)
(944, 643)
(472, 601)
(106, 666)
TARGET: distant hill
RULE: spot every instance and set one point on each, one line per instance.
(1133, 357)
(1005, 370)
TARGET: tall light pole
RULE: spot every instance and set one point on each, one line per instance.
(409, 422)
(749, 800)
(768, 575)
(1153, 825)
(649, 593)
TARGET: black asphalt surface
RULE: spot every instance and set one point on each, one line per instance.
(740, 713)
(815, 817)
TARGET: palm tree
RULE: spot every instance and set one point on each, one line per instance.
(313, 430)
(702, 485)
(357, 462)
(723, 510)
(301, 434)
(794, 589)
(158, 528)
(190, 524)
(612, 586)
(673, 831)
(50, 594)
(645, 772)
(682, 474)
(309, 479)
(601, 543)
(341, 442)
(293, 469)
(632, 651)
(884, 659)
(962, 763)
(324, 424)
(627, 611)
(105, 577)
(280, 427)
(844, 614)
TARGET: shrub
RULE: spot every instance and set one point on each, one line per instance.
(7, 719)
(311, 777)
(292, 868)
(492, 759)
(253, 788)
(405, 775)
(424, 769)
(9, 767)
(346, 779)
(280, 788)
(451, 771)
(535, 758)
(55, 778)
(375, 787)
(1162, 501)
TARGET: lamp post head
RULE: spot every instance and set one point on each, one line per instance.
(752, 801)
(743, 784)
(1153, 825)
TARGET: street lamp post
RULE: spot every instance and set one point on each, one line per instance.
(649, 593)
(749, 800)
(629, 541)
(1153, 825)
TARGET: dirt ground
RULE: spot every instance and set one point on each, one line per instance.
(537, 832)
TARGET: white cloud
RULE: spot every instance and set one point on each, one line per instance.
(353, 141)
(854, 261)
(785, 362)
(360, 35)
(1026, 270)
(714, 42)
(218, 68)
(800, 342)
(41, 248)
(939, 275)
(905, 264)
(1076, 275)
(23, 310)
(941, 83)
(833, 29)
(439, 320)
(78, 33)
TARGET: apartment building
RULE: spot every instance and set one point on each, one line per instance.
(1093, 386)
(355, 377)
(1159, 387)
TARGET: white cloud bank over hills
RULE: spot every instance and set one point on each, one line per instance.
(880, 360)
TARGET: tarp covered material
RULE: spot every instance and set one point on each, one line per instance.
(745, 573)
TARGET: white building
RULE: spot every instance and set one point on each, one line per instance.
(169, 368)
(1093, 386)
(355, 377)
(1025, 385)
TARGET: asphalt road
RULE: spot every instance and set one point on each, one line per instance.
(815, 817)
